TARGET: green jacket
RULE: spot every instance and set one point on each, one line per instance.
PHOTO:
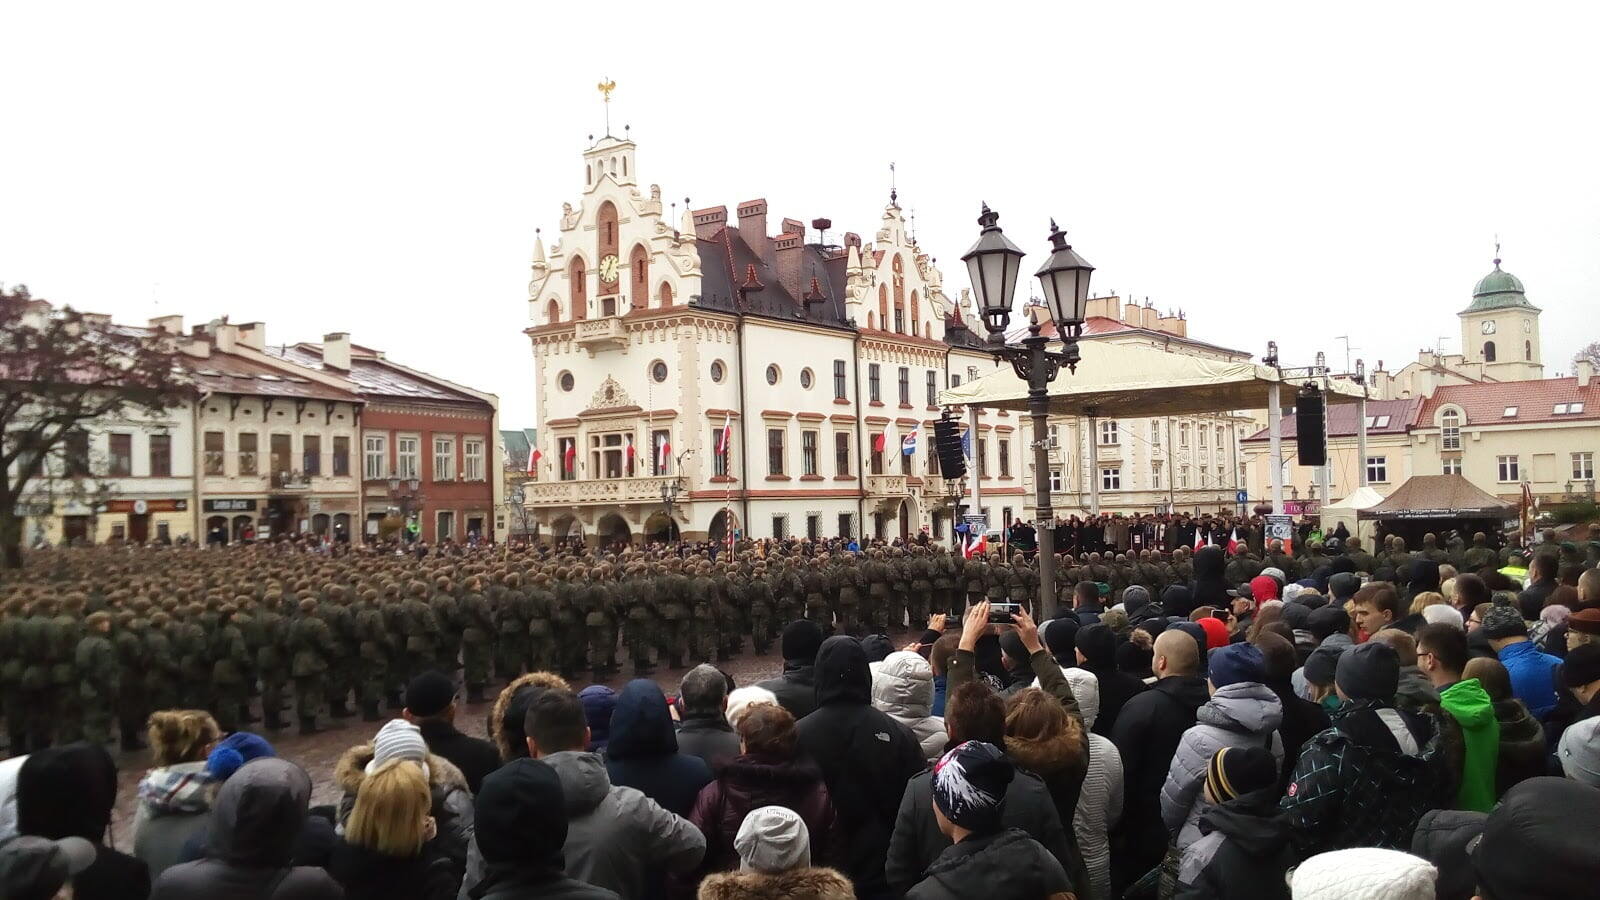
(1471, 707)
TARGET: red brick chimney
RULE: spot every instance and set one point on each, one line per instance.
(788, 250)
(753, 228)
(709, 221)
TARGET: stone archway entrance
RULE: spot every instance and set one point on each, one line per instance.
(565, 528)
(660, 528)
(722, 524)
(613, 529)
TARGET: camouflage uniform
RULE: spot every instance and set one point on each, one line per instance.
(538, 607)
(272, 664)
(229, 657)
(672, 637)
(759, 593)
(1480, 556)
(162, 670)
(372, 655)
(99, 679)
(421, 629)
(12, 663)
(477, 634)
(311, 647)
(511, 627)
(38, 688)
(815, 583)
(133, 700)
(65, 633)
(447, 615)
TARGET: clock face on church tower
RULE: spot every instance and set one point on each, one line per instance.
(608, 269)
(1487, 326)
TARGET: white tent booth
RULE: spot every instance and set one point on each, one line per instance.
(1347, 511)
(1132, 381)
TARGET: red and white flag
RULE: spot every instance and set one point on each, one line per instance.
(727, 435)
(630, 450)
(1233, 540)
(570, 459)
(533, 460)
(975, 546)
(663, 453)
(1199, 538)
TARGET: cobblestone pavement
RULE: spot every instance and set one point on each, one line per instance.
(319, 752)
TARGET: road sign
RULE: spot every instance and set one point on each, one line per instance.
(1241, 497)
(1280, 528)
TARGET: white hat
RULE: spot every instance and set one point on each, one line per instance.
(398, 739)
(1370, 873)
(740, 701)
(773, 839)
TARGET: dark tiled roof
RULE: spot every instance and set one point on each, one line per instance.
(1401, 416)
(374, 376)
(1536, 401)
(225, 373)
(518, 443)
(725, 261)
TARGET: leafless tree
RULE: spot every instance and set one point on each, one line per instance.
(61, 370)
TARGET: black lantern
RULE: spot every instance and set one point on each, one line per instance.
(993, 264)
(1065, 279)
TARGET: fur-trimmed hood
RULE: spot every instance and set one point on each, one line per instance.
(1049, 755)
(351, 771)
(497, 715)
(796, 884)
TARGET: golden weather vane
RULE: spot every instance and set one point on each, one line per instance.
(606, 86)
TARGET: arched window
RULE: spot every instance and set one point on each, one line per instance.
(552, 313)
(883, 305)
(915, 319)
(1450, 430)
(639, 274)
(613, 165)
(578, 282)
(872, 321)
(1527, 350)
(664, 295)
(605, 223)
(1488, 351)
(624, 165)
(588, 174)
(899, 293)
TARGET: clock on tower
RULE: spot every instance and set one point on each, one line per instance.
(608, 269)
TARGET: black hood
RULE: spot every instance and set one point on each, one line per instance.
(641, 725)
(259, 813)
(520, 824)
(1424, 576)
(1209, 563)
(66, 792)
(842, 674)
(1251, 821)
(1189, 690)
(1176, 600)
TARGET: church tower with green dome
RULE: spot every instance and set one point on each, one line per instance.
(1501, 328)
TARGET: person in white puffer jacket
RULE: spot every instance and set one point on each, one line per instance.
(902, 689)
(1098, 810)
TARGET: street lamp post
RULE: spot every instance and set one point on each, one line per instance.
(993, 264)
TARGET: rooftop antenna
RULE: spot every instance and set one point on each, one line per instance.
(1347, 349)
(894, 195)
(1497, 250)
(606, 86)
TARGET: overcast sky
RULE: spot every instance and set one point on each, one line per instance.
(1286, 171)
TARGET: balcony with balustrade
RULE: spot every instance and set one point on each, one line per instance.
(600, 334)
(596, 492)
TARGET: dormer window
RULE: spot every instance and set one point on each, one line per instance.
(1567, 409)
(1511, 412)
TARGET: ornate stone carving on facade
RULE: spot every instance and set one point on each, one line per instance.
(569, 217)
(609, 395)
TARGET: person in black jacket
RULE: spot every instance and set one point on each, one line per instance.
(1244, 847)
(974, 713)
(68, 792)
(389, 849)
(1302, 719)
(985, 858)
(1147, 734)
(1210, 585)
(796, 688)
(643, 750)
(431, 706)
(523, 830)
(865, 757)
(1097, 653)
(256, 821)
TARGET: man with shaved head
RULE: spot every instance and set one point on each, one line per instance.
(1146, 734)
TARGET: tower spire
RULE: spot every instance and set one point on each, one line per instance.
(894, 195)
(606, 86)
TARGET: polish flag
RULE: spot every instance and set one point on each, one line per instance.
(727, 435)
(1233, 541)
(975, 546)
(630, 450)
(533, 460)
(570, 458)
(1199, 538)
(663, 453)
(878, 443)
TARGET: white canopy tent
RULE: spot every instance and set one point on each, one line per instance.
(1133, 381)
(1347, 510)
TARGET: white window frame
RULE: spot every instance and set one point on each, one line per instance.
(1055, 481)
(1583, 466)
(375, 449)
(1110, 478)
(1155, 435)
(1109, 433)
(1155, 477)
(1450, 465)
(1377, 470)
(1509, 469)
(408, 463)
(1183, 478)
(444, 451)
(472, 467)
(1450, 430)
